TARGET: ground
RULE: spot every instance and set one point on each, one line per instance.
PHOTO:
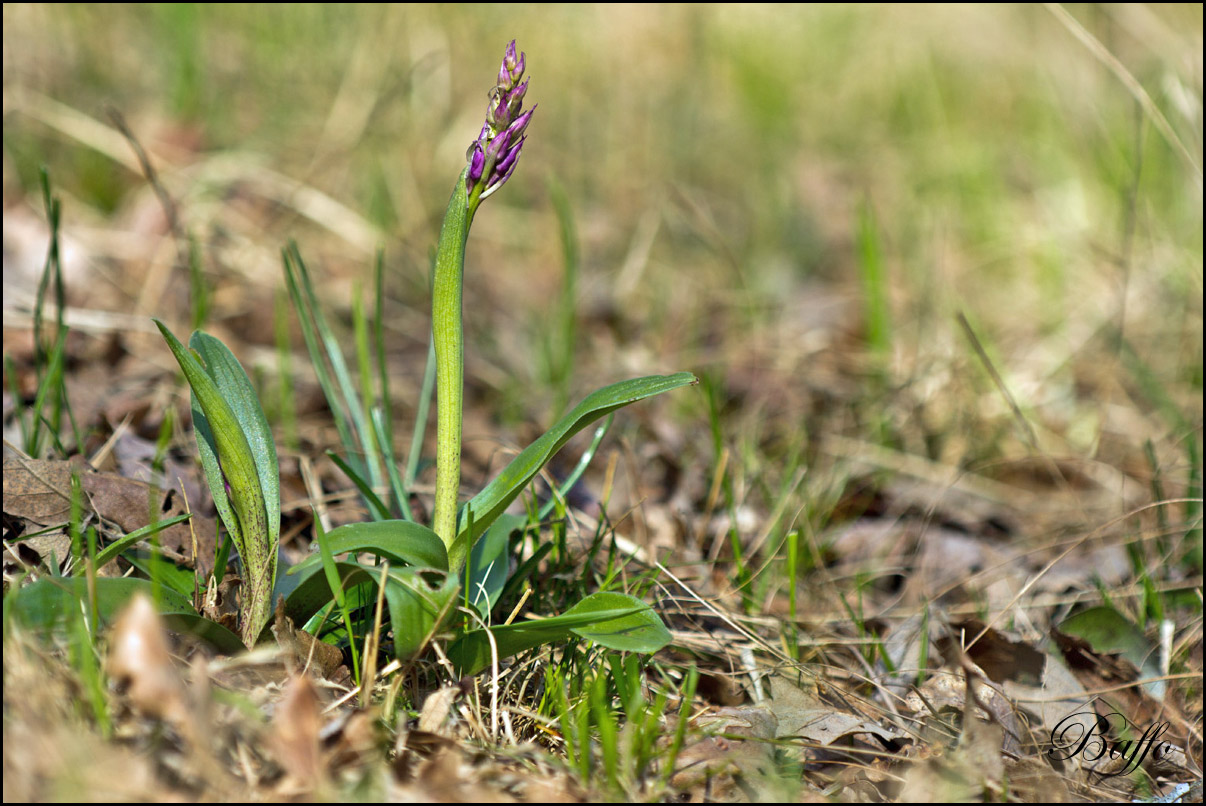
(927, 528)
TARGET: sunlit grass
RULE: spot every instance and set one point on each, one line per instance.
(798, 204)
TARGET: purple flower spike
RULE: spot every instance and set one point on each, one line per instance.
(493, 156)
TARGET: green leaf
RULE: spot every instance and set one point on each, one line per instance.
(211, 632)
(401, 542)
(162, 570)
(1107, 631)
(640, 631)
(499, 493)
(44, 605)
(235, 387)
(340, 391)
(126, 541)
(419, 600)
(225, 443)
(488, 564)
(376, 507)
(613, 620)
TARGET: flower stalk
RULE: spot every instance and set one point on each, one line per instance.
(491, 158)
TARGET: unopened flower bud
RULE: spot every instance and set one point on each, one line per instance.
(494, 155)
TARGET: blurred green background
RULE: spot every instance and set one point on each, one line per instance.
(793, 198)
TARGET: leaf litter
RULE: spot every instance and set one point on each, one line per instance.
(933, 650)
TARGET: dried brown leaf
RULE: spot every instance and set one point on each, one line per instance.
(294, 737)
(140, 661)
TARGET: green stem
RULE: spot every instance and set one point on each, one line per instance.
(448, 337)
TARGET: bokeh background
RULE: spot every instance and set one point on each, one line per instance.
(938, 268)
(796, 203)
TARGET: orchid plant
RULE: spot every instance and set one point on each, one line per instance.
(461, 563)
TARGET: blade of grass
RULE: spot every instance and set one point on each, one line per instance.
(377, 507)
(561, 348)
(397, 490)
(110, 552)
(687, 693)
(286, 411)
(336, 584)
(875, 287)
(421, 417)
(561, 492)
(351, 420)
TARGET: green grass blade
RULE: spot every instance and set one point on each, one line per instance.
(296, 277)
(421, 415)
(878, 324)
(335, 585)
(680, 729)
(377, 507)
(351, 406)
(587, 456)
(561, 347)
(286, 396)
(486, 571)
(397, 489)
(110, 552)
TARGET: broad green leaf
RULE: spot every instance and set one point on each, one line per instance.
(164, 571)
(499, 493)
(234, 385)
(613, 620)
(211, 632)
(44, 606)
(402, 542)
(488, 564)
(419, 600)
(641, 631)
(220, 431)
(1106, 630)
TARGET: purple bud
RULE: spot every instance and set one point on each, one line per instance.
(494, 155)
(498, 146)
(514, 99)
(521, 123)
(513, 158)
(513, 62)
(504, 165)
(476, 164)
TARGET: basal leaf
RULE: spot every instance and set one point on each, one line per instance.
(402, 542)
(235, 387)
(639, 631)
(44, 605)
(499, 493)
(226, 436)
(419, 600)
(614, 620)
